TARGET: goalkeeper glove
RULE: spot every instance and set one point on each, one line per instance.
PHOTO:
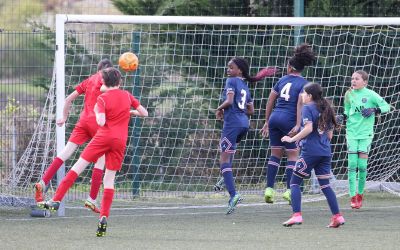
(369, 111)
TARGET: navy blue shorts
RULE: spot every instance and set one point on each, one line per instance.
(320, 164)
(279, 125)
(230, 137)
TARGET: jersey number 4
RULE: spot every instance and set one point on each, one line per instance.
(285, 91)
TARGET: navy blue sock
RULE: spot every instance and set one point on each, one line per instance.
(231, 158)
(296, 193)
(272, 170)
(289, 172)
(226, 171)
(330, 195)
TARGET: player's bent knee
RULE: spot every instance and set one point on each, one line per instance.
(323, 182)
(297, 178)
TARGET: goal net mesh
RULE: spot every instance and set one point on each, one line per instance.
(182, 71)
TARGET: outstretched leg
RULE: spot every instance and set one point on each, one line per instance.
(66, 184)
(49, 173)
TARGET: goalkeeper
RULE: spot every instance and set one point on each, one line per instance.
(360, 107)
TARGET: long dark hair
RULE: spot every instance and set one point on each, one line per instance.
(302, 56)
(243, 65)
(327, 116)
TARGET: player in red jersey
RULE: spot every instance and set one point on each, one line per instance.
(84, 130)
(112, 115)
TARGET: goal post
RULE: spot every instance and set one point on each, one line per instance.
(60, 97)
(182, 61)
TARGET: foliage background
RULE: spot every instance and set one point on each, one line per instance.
(27, 49)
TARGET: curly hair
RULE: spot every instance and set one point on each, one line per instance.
(303, 56)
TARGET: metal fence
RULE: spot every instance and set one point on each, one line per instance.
(27, 51)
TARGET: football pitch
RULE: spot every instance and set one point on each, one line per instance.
(179, 224)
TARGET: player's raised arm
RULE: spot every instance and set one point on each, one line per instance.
(67, 107)
(140, 111)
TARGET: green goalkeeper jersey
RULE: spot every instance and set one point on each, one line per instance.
(357, 126)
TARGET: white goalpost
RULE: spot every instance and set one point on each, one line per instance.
(182, 62)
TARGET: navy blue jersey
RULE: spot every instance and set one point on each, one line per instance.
(288, 89)
(317, 142)
(235, 115)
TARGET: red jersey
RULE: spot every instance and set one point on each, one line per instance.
(116, 104)
(91, 89)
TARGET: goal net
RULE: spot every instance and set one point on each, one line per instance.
(174, 151)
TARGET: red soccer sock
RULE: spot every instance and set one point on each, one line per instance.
(52, 170)
(97, 176)
(65, 184)
(106, 202)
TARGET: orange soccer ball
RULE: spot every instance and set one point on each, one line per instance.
(128, 61)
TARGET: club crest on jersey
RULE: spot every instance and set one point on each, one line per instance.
(364, 100)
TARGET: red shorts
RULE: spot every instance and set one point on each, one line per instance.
(112, 148)
(83, 132)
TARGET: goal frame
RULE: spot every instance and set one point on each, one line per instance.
(63, 19)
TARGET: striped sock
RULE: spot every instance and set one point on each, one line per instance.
(331, 199)
(289, 172)
(226, 171)
(296, 193)
(272, 170)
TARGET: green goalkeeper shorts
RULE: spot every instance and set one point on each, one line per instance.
(359, 145)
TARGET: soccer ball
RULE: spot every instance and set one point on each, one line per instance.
(128, 61)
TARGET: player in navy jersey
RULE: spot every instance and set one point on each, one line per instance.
(284, 119)
(235, 109)
(318, 122)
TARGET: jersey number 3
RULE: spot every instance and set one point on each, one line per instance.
(243, 94)
(285, 91)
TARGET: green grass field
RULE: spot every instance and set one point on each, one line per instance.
(178, 224)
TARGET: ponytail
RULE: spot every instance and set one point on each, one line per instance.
(327, 116)
(243, 65)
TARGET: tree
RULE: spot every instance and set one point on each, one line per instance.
(352, 8)
(18, 15)
(185, 7)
